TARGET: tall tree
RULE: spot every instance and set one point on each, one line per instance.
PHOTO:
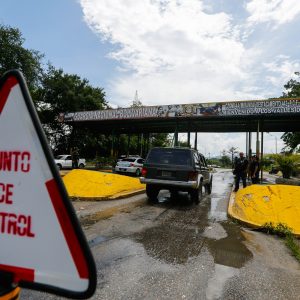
(60, 92)
(232, 151)
(292, 139)
(54, 92)
(13, 55)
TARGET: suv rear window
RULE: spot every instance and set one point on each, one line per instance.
(169, 156)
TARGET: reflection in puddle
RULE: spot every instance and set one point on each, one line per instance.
(171, 244)
(216, 213)
(219, 203)
(217, 282)
(178, 237)
(97, 240)
(179, 231)
(230, 251)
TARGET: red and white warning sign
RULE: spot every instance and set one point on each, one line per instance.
(41, 241)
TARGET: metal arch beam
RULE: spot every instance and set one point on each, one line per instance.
(212, 124)
(235, 116)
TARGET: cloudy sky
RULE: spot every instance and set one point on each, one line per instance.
(170, 51)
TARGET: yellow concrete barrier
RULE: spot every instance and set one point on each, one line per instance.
(257, 205)
(95, 185)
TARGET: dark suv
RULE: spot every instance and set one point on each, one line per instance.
(176, 169)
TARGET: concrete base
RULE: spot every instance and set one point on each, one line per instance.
(290, 181)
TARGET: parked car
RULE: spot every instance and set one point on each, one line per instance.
(64, 161)
(176, 169)
(132, 165)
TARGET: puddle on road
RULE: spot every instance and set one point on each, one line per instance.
(97, 240)
(217, 282)
(179, 235)
(216, 213)
(229, 251)
(171, 245)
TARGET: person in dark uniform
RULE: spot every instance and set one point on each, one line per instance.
(240, 171)
(75, 158)
(254, 169)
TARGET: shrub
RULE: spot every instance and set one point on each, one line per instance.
(267, 163)
(287, 164)
(103, 161)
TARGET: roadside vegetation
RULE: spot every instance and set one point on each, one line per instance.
(287, 163)
(223, 161)
(54, 91)
(292, 139)
(285, 232)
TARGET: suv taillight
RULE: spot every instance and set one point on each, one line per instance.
(144, 172)
(131, 164)
(193, 176)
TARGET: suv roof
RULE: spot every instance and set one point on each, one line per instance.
(170, 156)
(177, 148)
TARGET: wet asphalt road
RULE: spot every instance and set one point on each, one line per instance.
(178, 250)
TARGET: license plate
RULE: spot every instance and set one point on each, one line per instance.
(166, 173)
(123, 169)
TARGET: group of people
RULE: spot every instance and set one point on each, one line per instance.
(243, 169)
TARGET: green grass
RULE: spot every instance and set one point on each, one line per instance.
(285, 232)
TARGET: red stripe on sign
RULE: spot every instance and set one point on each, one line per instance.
(19, 273)
(67, 228)
(8, 85)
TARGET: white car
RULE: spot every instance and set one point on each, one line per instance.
(65, 161)
(131, 165)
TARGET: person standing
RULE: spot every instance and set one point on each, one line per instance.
(75, 158)
(240, 171)
(254, 169)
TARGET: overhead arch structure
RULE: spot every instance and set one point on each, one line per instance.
(272, 115)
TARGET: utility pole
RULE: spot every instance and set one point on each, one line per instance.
(275, 141)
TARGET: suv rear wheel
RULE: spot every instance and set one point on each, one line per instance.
(208, 188)
(196, 194)
(152, 192)
(174, 194)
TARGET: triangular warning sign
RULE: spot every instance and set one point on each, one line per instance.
(42, 243)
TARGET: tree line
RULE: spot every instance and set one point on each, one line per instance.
(292, 139)
(54, 91)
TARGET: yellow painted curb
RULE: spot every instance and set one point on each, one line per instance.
(94, 185)
(257, 205)
(113, 197)
(234, 216)
(92, 218)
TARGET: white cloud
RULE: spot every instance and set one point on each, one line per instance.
(275, 11)
(282, 69)
(152, 39)
(179, 51)
(215, 143)
(174, 50)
